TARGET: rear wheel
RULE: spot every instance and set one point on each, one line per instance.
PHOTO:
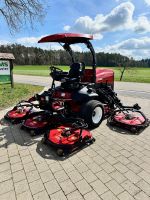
(93, 113)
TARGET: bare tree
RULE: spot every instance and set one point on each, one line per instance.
(21, 12)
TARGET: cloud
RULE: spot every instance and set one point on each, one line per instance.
(120, 18)
(142, 25)
(4, 42)
(66, 28)
(136, 48)
(117, 19)
(147, 2)
(28, 40)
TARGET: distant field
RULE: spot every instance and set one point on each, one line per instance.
(131, 75)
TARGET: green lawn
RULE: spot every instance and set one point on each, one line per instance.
(132, 75)
(9, 97)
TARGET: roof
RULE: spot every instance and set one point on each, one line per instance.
(8, 56)
(70, 38)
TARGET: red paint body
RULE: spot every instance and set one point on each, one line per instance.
(55, 135)
(135, 120)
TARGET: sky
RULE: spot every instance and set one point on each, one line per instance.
(118, 26)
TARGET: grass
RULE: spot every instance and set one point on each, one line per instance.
(9, 97)
(131, 75)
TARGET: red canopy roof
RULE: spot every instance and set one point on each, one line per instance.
(70, 38)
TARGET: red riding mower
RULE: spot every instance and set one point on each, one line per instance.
(88, 92)
(83, 92)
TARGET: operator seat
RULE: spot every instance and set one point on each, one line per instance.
(71, 82)
(75, 70)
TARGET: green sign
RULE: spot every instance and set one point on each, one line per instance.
(5, 76)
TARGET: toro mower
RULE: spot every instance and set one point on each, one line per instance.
(88, 92)
(84, 92)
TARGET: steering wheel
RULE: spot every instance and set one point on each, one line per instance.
(54, 69)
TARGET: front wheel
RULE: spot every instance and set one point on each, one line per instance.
(93, 113)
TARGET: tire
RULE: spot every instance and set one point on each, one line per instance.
(93, 113)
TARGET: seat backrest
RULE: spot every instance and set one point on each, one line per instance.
(75, 70)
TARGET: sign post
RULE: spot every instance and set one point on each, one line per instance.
(6, 68)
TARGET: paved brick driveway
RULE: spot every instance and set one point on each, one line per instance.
(116, 166)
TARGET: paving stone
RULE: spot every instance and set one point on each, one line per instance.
(67, 186)
(8, 196)
(16, 167)
(111, 160)
(37, 159)
(75, 176)
(32, 176)
(25, 196)
(83, 187)
(36, 187)
(3, 152)
(114, 187)
(4, 159)
(61, 176)
(21, 186)
(99, 187)
(91, 196)
(133, 167)
(55, 167)
(114, 153)
(24, 152)
(29, 167)
(94, 167)
(15, 159)
(52, 187)
(42, 167)
(118, 176)
(26, 159)
(144, 186)
(108, 196)
(121, 168)
(132, 176)
(13, 152)
(135, 160)
(102, 153)
(81, 167)
(146, 176)
(123, 160)
(107, 167)
(74, 196)
(58, 195)
(81, 153)
(145, 166)
(19, 176)
(41, 196)
(141, 196)
(46, 176)
(89, 176)
(125, 153)
(4, 166)
(6, 175)
(103, 176)
(87, 159)
(137, 153)
(130, 187)
(125, 196)
(98, 159)
(74, 159)
(6, 186)
(90, 152)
